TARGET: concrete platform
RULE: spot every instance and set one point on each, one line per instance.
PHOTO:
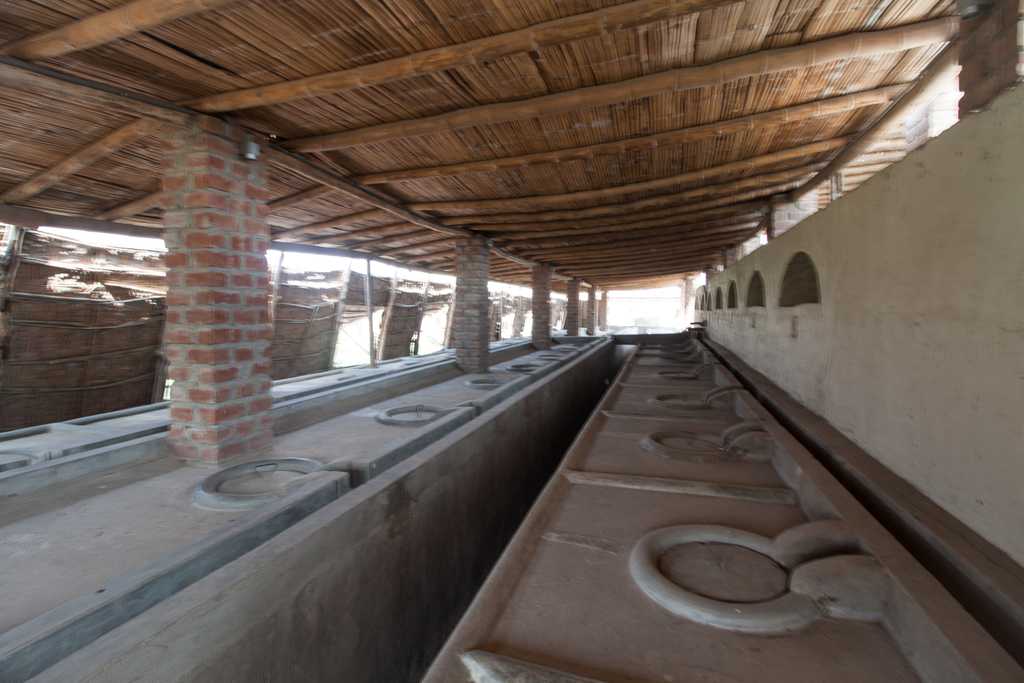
(96, 547)
(719, 550)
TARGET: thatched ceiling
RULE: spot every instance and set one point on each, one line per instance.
(616, 141)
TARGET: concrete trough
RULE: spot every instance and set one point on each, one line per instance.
(46, 454)
(114, 531)
(464, 491)
(33, 646)
(669, 544)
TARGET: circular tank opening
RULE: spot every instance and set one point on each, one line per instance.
(682, 445)
(407, 416)
(723, 571)
(484, 382)
(251, 484)
(12, 460)
(525, 368)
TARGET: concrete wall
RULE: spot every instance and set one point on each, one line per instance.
(916, 351)
(367, 588)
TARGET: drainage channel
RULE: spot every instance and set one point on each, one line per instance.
(976, 592)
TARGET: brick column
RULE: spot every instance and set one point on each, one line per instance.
(541, 305)
(572, 307)
(592, 312)
(471, 322)
(218, 330)
(602, 311)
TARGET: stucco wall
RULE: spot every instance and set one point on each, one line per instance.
(916, 351)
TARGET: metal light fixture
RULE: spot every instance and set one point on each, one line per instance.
(250, 148)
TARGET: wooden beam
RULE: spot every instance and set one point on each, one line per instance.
(582, 234)
(134, 207)
(732, 192)
(384, 239)
(105, 27)
(671, 268)
(417, 245)
(40, 81)
(23, 217)
(347, 187)
(86, 156)
(609, 194)
(331, 238)
(630, 266)
(633, 250)
(156, 199)
(678, 232)
(942, 70)
(299, 197)
(761, 63)
(336, 222)
(801, 112)
(602, 22)
(637, 219)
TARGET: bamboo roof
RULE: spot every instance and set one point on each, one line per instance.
(401, 125)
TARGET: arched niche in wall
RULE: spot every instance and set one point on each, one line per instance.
(701, 304)
(755, 290)
(732, 297)
(718, 298)
(800, 282)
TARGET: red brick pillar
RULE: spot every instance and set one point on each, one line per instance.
(541, 306)
(572, 307)
(592, 311)
(218, 329)
(471, 322)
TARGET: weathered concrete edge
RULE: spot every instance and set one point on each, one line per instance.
(39, 643)
(938, 637)
(24, 480)
(508, 568)
(984, 579)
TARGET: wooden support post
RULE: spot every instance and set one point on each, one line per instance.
(368, 293)
(339, 312)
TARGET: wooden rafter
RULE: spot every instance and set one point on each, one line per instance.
(337, 222)
(939, 73)
(80, 159)
(732, 192)
(600, 22)
(608, 194)
(765, 62)
(637, 219)
(384, 239)
(133, 207)
(417, 245)
(679, 232)
(801, 112)
(299, 197)
(104, 27)
(641, 250)
(671, 222)
(347, 187)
